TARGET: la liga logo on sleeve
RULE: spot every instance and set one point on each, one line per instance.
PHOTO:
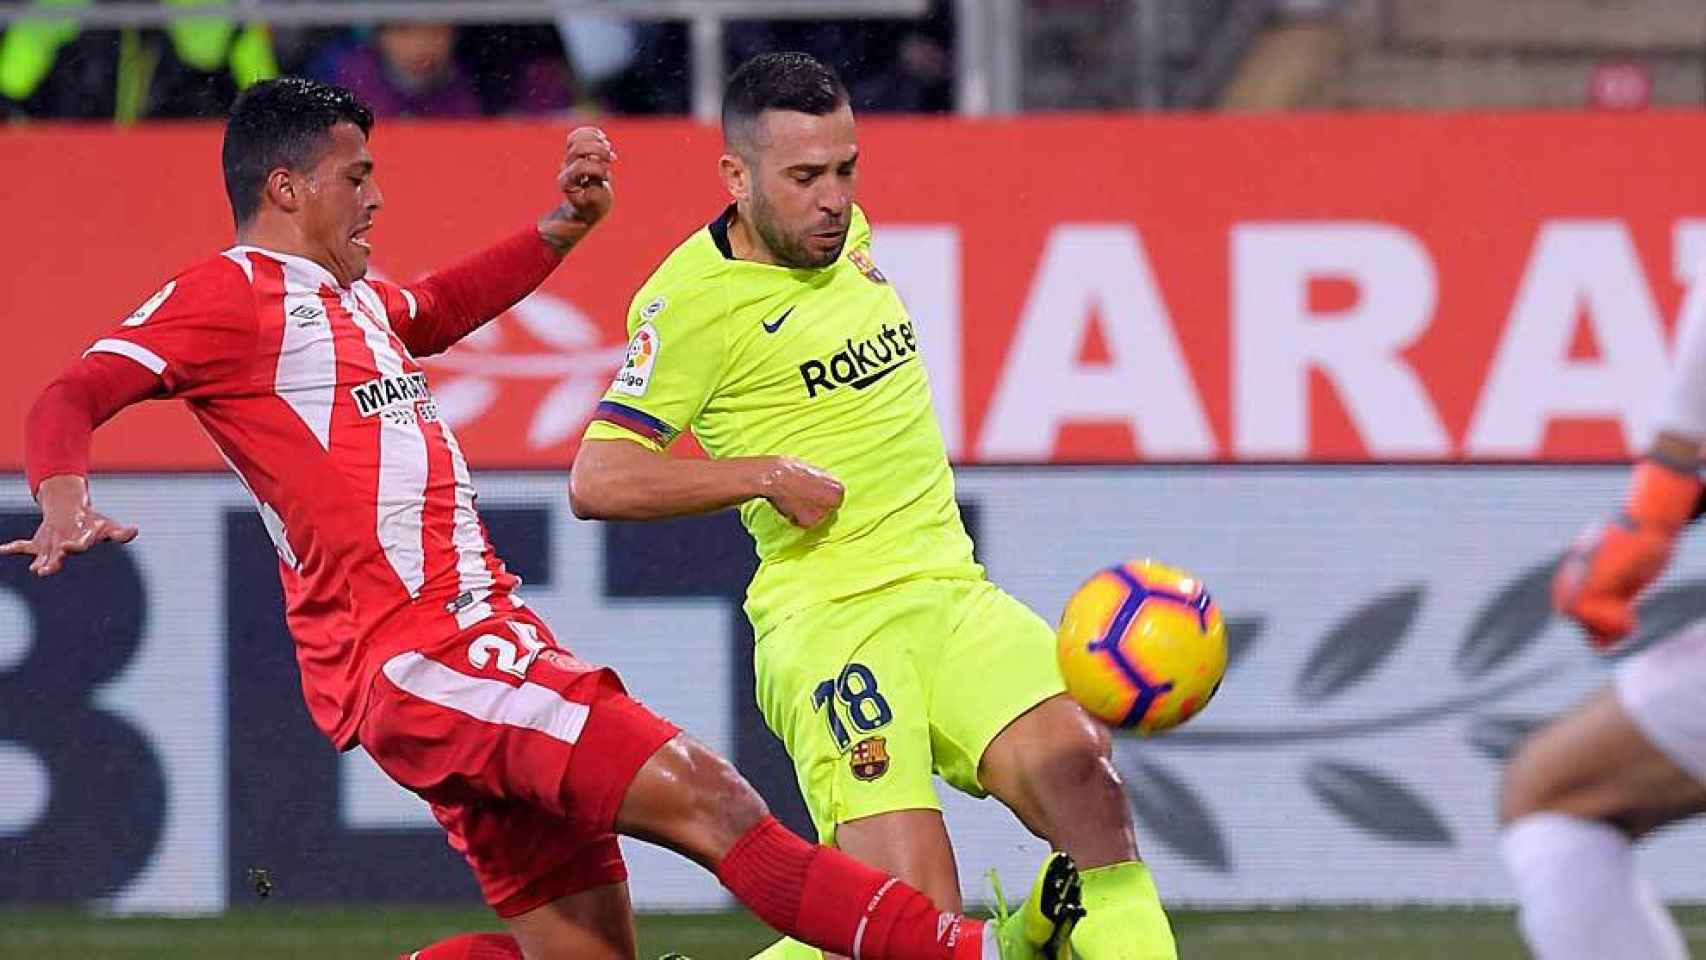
(636, 373)
(150, 305)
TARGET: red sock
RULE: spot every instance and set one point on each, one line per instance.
(471, 946)
(825, 898)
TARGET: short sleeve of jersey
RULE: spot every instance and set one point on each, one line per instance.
(197, 333)
(675, 360)
(400, 304)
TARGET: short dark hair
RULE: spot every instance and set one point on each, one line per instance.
(778, 81)
(281, 123)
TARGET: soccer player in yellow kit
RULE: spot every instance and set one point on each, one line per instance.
(884, 654)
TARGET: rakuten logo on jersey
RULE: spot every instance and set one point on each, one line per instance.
(863, 362)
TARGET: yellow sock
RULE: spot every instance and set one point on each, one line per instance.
(1123, 919)
(786, 949)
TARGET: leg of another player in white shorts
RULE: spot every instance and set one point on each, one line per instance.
(1583, 789)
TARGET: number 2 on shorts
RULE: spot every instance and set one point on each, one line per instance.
(486, 647)
(856, 688)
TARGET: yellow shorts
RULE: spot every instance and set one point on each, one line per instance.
(873, 693)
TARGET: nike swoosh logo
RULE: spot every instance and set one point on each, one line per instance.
(773, 327)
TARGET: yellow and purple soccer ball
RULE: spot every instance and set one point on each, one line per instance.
(1142, 646)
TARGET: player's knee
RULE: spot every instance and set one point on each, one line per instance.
(690, 800)
(1105, 789)
(1084, 748)
(724, 804)
(1529, 784)
(1078, 772)
(739, 808)
(1096, 738)
(1520, 789)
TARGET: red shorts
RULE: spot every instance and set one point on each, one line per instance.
(523, 751)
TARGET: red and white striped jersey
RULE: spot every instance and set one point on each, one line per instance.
(313, 395)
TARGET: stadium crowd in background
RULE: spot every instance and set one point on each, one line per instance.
(53, 69)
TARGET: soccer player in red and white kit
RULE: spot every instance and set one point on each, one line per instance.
(410, 636)
(1584, 788)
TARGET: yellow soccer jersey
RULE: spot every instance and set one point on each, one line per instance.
(822, 365)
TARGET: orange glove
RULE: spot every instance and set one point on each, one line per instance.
(1611, 563)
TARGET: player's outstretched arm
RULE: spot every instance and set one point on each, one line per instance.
(446, 306)
(57, 436)
(1604, 572)
(622, 480)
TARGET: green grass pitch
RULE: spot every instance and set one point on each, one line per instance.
(381, 934)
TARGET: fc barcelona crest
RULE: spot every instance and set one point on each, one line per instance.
(866, 266)
(870, 758)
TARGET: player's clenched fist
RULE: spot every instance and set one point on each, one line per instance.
(585, 182)
(1602, 574)
(801, 492)
(1611, 563)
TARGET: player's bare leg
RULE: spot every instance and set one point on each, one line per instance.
(694, 802)
(1053, 768)
(595, 924)
(1595, 764)
(910, 844)
(1575, 796)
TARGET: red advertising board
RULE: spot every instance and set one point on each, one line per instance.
(1334, 288)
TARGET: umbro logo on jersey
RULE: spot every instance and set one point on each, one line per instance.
(861, 363)
(306, 312)
(773, 327)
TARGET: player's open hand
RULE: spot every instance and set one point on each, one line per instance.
(801, 492)
(69, 525)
